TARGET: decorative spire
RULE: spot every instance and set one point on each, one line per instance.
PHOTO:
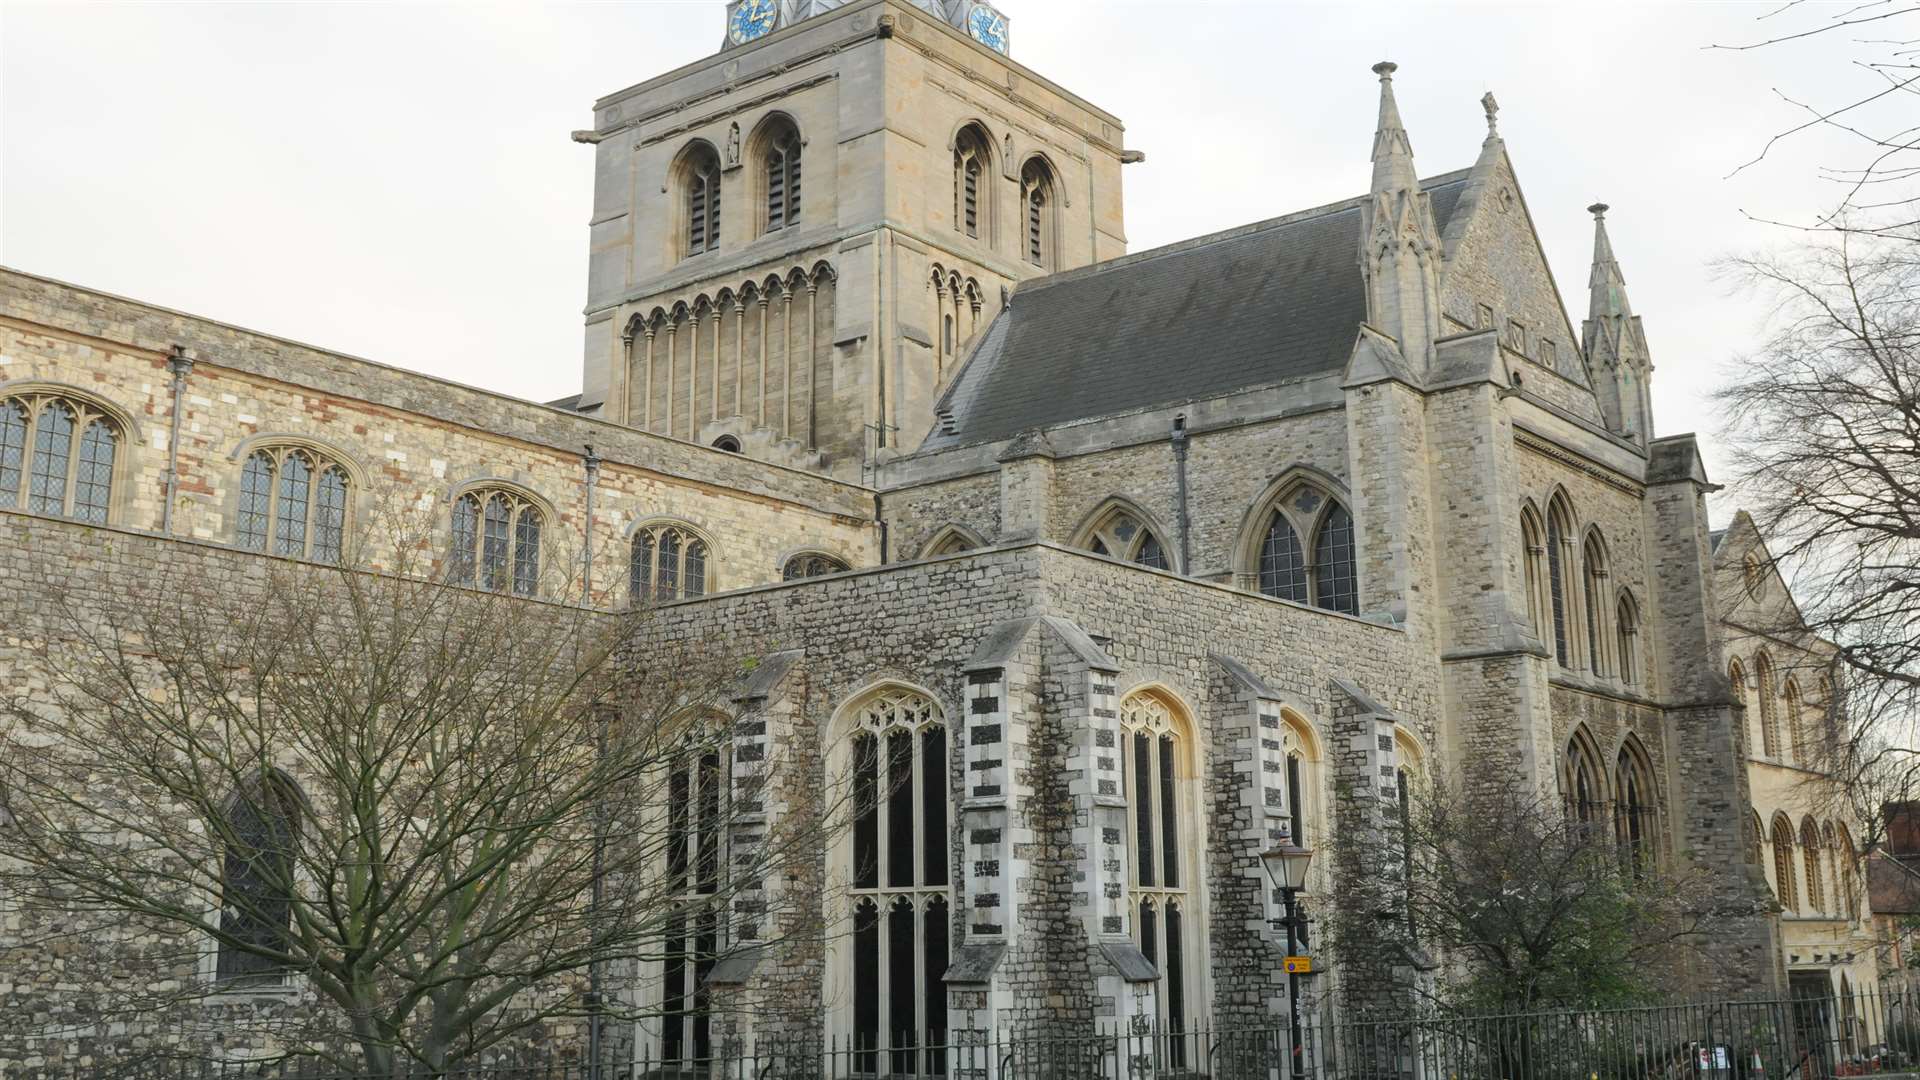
(1392, 150)
(1607, 296)
(1492, 108)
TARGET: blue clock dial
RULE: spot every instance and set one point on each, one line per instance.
(750, 19)
(988, 27)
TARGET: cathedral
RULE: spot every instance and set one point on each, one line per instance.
(1132, 566)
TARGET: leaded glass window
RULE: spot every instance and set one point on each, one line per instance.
(1330, 578)
(1594, 578)
(811, 564)
(1283, 568)
(1557, 583)
(496, 542)
(57, 456)
(1335, 585)
(899, 873)
(1580, 782)
(696, 791)
(1119, 534)
(294, 498)
(1159, 776)
(260, 834)
(1633, 810)
(668, 562)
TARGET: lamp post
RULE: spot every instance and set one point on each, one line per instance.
(1286, 865)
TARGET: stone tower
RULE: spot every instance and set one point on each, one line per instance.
(796, 240)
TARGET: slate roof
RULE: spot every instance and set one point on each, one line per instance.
(1261, 304)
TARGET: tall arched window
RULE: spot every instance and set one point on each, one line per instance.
(1303, 778)
(701, 181)
(260, 834)
(1756, 835)
(57, 456)
(1845, 858)
(293, 501)
(668, 562)
(1737, 680)
(901, 907)
(1160, 769)
(1633, 808)
(1784, 886)
(812, 564)
(1120, 534)
(781, 161)
(1330, 579)
(972, 161)
(1594, 577)
(1533, 550)
(1580, 781)
(950, 540)
(1036, 202)
(1559, 531)
(1626, 628)
(695, 790)
(496, 542)
(1816, 881)
(1797, 745)
(1769, 709)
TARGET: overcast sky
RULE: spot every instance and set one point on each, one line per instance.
(396, 180)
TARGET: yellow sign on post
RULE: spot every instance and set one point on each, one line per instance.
(1298, 965)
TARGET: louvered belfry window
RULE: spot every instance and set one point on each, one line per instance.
(783, 179)
(970, 158)
(703, 201)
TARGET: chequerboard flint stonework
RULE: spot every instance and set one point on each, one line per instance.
(1144, 562)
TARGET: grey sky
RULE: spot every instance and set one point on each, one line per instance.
(396, 181)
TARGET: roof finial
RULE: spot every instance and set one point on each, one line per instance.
(1385, 70)
(1392, 150)
(1598, 210)
(1492, 108)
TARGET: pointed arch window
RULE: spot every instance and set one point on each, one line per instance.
(1626, 628)
(1534, 552)
(1784, 885)
(1633, 810)
(900, 894)
(1769, 709)
(1580, 782)
(293, 501)
(1158, 753)
(782, 166)
(694, 862)
(1816, 880)
(1036, 200)
(1559, 532)
(668, 562)
(1846, 902)
(1120, 534)
(812, 564)
(259, 836)
(1594, 578)
(971, 158)
(1330, 580)
(57, 456)
(701, 181)
(1797, 745)
(496, 542)
(951, 540)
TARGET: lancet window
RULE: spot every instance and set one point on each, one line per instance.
(1769, 708)
(1158, 752)
(57, 456)
(1816, 881)
(1626, 628)
(293, 501)
(971, 162)
(1559, 558)
(260, 833)
(701, 181)
(694, 862)
(1633, 809)
(782, 164)
(1783, 877)
(1580, 782)
(1036, 200)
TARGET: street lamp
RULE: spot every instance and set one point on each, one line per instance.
(1286, 864)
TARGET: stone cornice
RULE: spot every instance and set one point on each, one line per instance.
(732, 108)
(1546, 448)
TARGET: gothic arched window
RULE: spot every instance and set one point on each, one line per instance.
(951, 540)
(293, 501)
(1594, 578)
(1816, 881)
(1329, 580)
(1784, 886)
(1159, 765)
(696, 786)
(57, 456)
(972, 161)
(1633, 808)
(1559, 533)
(260, 836)
(1797, 745)
(1036, 201)
(1846, 901)
(781, 160)
(1120, 534)
(669, 562)
(496, 542)
(811, 564)
(1626, 628)
(901, 906)
(1580, 781)
(700, 180)
(1534, 550)
(1769, 709)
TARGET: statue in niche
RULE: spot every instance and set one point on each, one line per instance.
(733, 146)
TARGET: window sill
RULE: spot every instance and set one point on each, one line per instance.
(283, 988)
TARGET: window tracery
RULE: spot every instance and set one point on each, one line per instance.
(259, 833)
(1784, 886)
(1036, 200)
(1580, 781)
(1626, 625)
(1559, 555)
(1120, 534)
(971, 160)
(701, 182)
(293, 501)
(1158, 768)
(899, 877)
(812, 564)
(1634, 809)
(1810, 850)
(694, 862)
(782, 168)
(1330, 579)
(57, 456)
(496, 541)
(668, 562)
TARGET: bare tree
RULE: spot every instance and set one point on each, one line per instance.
(1876, 191)
(1823, 427)
(1528, 904)
(435, 816)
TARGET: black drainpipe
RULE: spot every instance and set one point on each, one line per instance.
(1180, 490)
(180, 365)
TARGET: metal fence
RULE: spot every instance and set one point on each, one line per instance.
(1807, 1037)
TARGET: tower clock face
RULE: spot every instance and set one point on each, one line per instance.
(750, 19)
(988, 27)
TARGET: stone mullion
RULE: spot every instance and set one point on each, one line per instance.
(648, 396)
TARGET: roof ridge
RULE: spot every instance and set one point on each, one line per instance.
(1194, 243)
